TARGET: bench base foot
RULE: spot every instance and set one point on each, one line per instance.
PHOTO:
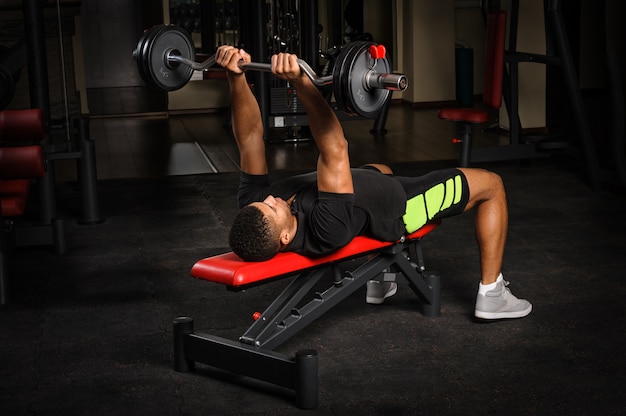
(298, 373)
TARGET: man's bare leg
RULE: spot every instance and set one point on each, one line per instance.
(487, 194)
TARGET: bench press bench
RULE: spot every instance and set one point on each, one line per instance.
(252, 354)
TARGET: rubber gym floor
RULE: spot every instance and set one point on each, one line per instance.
(89, 332)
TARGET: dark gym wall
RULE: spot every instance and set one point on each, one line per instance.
(110, 31)
(12, 31)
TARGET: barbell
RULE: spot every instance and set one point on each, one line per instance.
(362, 80)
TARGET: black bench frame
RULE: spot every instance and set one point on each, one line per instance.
(253, 356)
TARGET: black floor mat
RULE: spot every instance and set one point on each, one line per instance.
(89, 332)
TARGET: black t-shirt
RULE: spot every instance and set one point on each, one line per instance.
(328, 221)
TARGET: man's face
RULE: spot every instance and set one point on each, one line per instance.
(276, 210)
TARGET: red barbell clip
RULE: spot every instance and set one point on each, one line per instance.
(378, 51)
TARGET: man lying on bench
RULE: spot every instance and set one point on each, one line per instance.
(318, 213)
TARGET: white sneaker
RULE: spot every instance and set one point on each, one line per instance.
(500, 303)
(377, 291)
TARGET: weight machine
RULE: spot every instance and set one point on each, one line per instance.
(80, 148)
(361, 79)
(559, 53)
(560, 61)
(293, 27)
(49, 229)
(264, 28)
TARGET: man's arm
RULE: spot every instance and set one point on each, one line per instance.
(333, 163)
(246, 115)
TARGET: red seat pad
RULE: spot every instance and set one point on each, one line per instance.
(24, 126)
(230, 270)
(470, 115)
(13, 196)
(22, 162)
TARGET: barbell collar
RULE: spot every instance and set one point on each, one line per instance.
(392, 82)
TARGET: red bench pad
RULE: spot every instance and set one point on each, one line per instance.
(22, 162)
(18, 165)
(469, 115)
(230, 270)
(22, 126)
(13, 197)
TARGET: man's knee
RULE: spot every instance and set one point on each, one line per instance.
(495, 181)
(483, 184)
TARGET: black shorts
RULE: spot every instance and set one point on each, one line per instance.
(433, 196)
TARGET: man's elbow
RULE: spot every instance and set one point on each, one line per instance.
(336, 147)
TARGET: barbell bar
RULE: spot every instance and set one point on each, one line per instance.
(362, 80)
(393, 82)
(173, 56)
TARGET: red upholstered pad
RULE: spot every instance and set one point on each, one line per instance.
(22, 162)
(24, 126)
(470, 115)
(18, 165)
(230, 270)
(13, 196)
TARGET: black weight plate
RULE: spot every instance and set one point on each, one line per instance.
(141, 54)
(137, 55)
(151, 56)
(362, 100)
(349, 81)
(148, 65)
(166, 76)
(338, 91)
(340, 71)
